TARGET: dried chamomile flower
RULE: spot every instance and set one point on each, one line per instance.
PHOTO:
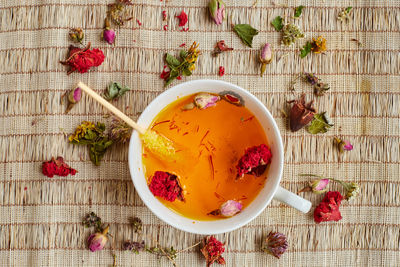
(291, 33)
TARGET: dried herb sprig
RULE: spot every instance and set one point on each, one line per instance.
(319, 87)
(183, 66)
(220, 47)
(117, 13)
(343, 15)
(92, 220)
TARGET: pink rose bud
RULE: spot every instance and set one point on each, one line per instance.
(109, 35)
(217, 11)
(230, 208)
(265, 57)
(97, 241)
(319, 186)
(204, 100)
(74, 97)
(347, 145)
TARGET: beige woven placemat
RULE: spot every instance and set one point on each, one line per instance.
(40, 217)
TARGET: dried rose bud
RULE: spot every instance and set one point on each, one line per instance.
(109, 36)
(217, 11)
(76, 35)
(97, 241)
(204, 100)
(319, 186)
(275, 244)
(343, 145)
(265, 57)
(230, 208)
(232, 98)
(189, 106)
(74, 97)
(300, 114)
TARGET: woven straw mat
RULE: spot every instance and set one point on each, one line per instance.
(40, 217)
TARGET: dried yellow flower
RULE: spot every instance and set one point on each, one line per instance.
(318, 45)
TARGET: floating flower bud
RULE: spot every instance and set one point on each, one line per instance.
(232, 98)
(265, 57)
(254, 161)
(76, 35)
(74, 97)
(204, 100)
(300, 114)
(275, 244)
(217, 11)
(167, 186)
(97, 241)
(230, 208)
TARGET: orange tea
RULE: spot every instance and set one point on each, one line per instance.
(216, 138)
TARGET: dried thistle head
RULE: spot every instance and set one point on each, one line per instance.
(120, 131)
(301, 113)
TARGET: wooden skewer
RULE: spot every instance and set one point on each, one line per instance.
(111, 108)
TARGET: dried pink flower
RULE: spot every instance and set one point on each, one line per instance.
(275, 244)
(204, 100)
(97, 241)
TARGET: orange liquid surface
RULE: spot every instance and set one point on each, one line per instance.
(215, 138)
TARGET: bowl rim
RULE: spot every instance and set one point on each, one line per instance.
(239, 224)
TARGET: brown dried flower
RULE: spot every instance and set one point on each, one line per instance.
(137, 224)
(301, 113)
(275, 244)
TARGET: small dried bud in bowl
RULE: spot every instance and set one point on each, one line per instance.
(74, 97)
(167, 186)
(228, 209)
(97, 241)
(203, 100)
(254, 161)
(217, 11)
(275, 244)
(76, 35)
(265, 57)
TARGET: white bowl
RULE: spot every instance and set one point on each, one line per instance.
(270, 189)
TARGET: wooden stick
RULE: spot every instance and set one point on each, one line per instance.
(111, 108)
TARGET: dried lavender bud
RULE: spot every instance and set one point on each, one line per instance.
(134, 246)
(275, 244)
(137, 224)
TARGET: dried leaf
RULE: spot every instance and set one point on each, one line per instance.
(277, 23)
(298, 11)
(172, 61)
(305, 50)
(246, 33)
(115, 90)
(319, 124)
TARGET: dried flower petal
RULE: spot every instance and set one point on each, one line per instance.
(204, 100)
(83, 59)
(311, 78)
(92, 220)
(212, 250)
(232, 98)
(57, 167)
(300, 114)
(254, 161)
(319, 186)
(134, 246)
(97, 241)
(221, 47)
(167, 186)
(265, 57)
(275, 244)
(291, 33)
(217, 11)
(221, 71)
(328, 209)
(230, 208)
(76, 35)
(318, 45)
(183, 19)
(120, 131)
(137, 224)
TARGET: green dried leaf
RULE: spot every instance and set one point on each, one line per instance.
(348, 9)
(98, 149)
(172, 61)
(319, 124)
(115, 90)
(305, 50)
(298, 11)
(172, 76)
(186, 72)
(277, 23)
(246, 33)
(183, 54)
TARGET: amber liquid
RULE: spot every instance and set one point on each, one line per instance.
(216, 138)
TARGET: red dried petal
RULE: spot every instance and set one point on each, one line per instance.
(166, 185)
(164, 74)
(328, 209)
(82, 60)
(221, 71)
(183, 19)
(212, 250)
(57, 167)
(254, 161)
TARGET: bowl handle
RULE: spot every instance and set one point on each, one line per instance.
(292, 199)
